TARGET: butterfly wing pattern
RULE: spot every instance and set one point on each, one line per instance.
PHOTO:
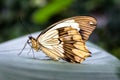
(66, 39)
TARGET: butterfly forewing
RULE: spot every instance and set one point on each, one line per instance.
(86, 23)
(66, 39)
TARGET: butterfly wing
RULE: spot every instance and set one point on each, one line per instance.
(73, 45)
(86, 23)
(66, 39)
(50, 44)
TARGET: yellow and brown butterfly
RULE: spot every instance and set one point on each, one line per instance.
(66, 39)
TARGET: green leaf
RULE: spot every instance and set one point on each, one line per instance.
(43, 14)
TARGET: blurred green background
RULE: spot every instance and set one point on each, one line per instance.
(36, 15)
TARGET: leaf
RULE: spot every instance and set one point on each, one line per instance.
(101, 66)
(43, 14)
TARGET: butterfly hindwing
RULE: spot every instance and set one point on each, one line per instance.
(73, 45)
(51, 44)
(68, 45)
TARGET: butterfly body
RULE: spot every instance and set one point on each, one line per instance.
(66, 39)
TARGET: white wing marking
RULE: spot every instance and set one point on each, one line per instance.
(71, 23)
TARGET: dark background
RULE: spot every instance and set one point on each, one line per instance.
(36, 15)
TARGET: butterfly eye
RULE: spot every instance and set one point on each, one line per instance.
(92, 23)
(29, 42)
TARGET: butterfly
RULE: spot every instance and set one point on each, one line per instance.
(66, 39)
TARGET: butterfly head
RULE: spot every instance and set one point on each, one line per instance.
(33, 43)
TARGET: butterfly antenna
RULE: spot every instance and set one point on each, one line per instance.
(24, 26)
